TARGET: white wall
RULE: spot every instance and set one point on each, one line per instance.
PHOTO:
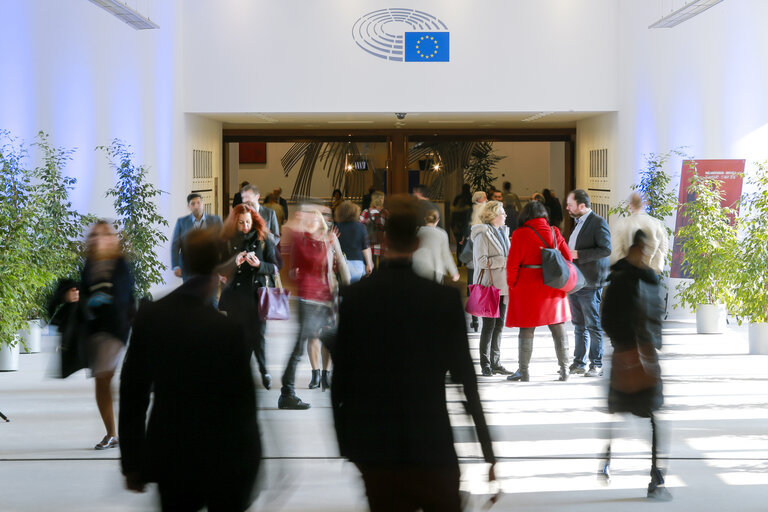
(298, 56)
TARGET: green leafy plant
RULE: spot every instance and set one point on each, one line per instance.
(751, 273)
(709, 245)
(479, 172)
(138, 217)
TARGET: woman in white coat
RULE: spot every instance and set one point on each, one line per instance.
(433, 258)
(490, 241)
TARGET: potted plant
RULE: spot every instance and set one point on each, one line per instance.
(709, 246)
(138, 217)
(751, 273)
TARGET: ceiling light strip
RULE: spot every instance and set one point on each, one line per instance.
(126, 14)
(685, 13)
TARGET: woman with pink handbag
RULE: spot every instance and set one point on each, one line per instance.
(250, 261)
(490, 248)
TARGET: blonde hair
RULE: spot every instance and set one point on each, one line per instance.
(377, 199)
(313, 210)
(490, 211)
(477, 195)
(432, 216)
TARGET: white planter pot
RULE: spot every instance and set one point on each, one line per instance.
(9, 357)
(758, 338)
(31, 337)
(710, 318)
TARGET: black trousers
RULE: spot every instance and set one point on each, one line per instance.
(407, 489)
(242, 308)
(235, 495)
(490, 338)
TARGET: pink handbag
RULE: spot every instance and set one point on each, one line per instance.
(273, 302)
(483, 301)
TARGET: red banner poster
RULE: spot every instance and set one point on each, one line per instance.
(729, 172)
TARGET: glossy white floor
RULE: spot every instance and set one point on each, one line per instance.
(547, 434)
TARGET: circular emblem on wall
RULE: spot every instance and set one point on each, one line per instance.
(403, 35)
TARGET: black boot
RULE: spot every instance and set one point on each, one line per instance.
(325, 382)
(473, 324)
(656, 488)
(315, 382)
(561, 349)
(524, 352)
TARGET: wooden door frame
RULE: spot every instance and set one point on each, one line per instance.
(397, 142)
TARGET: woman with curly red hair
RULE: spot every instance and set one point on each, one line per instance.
(250, 260)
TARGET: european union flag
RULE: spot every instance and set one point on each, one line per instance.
(427, 46)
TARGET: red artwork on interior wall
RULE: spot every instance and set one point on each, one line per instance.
(729, 172)
(253, 152)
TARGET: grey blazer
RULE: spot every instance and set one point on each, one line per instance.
(183, 226)
(268, 214)
(433, 258)
(490, 251)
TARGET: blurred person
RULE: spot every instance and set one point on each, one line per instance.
(554, 208)
(201, 443)
(397, 430)
(314, 253)
(510, 198)
(623, 231)
(420, 192)
(251, 196)
(374, 218)
(367, 198)
(631, 317)
(433, 258)
(336, 199)
(238, 199)
(478, 201)
(106, 297)
(271, 202)
(278, 193)
(353, 239)
(250, 261)
(461, 210)
(197, 219)
(590, 245)
(490, 243)
(65, 314)
(531, 302)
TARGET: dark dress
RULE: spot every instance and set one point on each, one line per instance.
(631, 317)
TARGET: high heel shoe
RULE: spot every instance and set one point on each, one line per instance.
(315, 382)
(325, 383)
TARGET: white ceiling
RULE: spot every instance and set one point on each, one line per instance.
(388, 120)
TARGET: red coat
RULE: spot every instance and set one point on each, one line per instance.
(531, 303)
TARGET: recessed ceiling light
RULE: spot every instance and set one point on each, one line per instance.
(538, 116)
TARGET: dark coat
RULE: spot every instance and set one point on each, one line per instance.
(631, 316)
(594, 249)
(203, 420)
(68, 318)
(116, 317)
(414, 335)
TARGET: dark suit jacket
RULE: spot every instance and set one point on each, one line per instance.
(594, 248)
(410, 339)
(268, 214)
(203, 420)
(183, 226)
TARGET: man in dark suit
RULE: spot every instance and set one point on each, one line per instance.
(251, 195)
(590, 244)
(197, 219)
(201, 444)
(396, 429)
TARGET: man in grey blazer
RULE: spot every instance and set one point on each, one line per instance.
(197, 219)
(250, 194)
(590, 244)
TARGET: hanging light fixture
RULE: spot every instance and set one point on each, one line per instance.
(684, 13)
(126, 14)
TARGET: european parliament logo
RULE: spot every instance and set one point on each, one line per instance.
(403, 35)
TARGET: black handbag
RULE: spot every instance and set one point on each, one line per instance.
(558, 273)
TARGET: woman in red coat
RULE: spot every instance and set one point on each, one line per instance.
(531, 302)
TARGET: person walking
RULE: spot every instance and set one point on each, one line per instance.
(590, 245)
(623, 231)
(250, 261)
(396, 430)
(631, 317)
(433, 258)
(201, 443)
(531, 302)
(106, 297)
(490, 243)
(197, 219)
(353, 239)
(314, 252)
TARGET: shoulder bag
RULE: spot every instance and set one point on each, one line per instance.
(483, 301)
(273, 303)
(558, 272)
